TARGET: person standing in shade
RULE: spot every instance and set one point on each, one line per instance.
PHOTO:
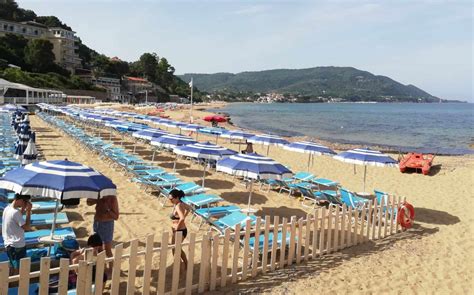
(13, 229)
(106, 213)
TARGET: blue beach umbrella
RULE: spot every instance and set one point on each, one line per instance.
(149, 134)
(212, 131)
(206, 151)
(171, 141)
(268, 140)
(366, 157)
(253, 166)
(192, 128)
(59, 179)
(31, 153)
(308, 147)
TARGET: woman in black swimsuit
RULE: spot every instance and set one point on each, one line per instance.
(178, 217)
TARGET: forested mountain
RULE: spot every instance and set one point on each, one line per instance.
(330, 82)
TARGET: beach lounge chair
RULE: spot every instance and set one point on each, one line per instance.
(314, 197)
(33, 237)
(231, 220)
(200, 200)
(271, 240)
(205, 214)
(351, 200)
(287, 184)
(382, 198)
(47, 219)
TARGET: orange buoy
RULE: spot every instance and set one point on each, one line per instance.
(406, 215)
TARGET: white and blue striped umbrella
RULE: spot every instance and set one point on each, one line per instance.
(149, 134)
(212, 131)
(308, 147)
(31, 153)
(174, 124)
(60, 179)
(205, 150)
(253, 166)
(191, 127)
(366, 157)
(172, 140)
(236, 134)
(268, 140)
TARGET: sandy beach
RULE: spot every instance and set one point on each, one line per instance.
(435, 256)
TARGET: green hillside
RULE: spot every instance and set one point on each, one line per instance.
(330, 82)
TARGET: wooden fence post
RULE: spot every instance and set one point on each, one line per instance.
(322, 231)
(343, 226)
(329, 231)
(44, 275)
(24, 273)
(132, 267)
(225, 257)
(380, 223)
(63, 275)
(307, 237)
(99, 272)
(397, 227)
(369, 220)
(374, 220)
(273, 256)
(356, 226)
(203, 276)
(299, 240)
(245, 258)
(316, 231)
(235, 255)
(4, 273)
(283, 242)
(265, 244)
(116, 269)
(363, 221)
(392, 213)
(147, 260)
(336, 230)
(190, 269)
(178, 237)
(214, 258)
(163, 258)
(81, 278)
(256, 247)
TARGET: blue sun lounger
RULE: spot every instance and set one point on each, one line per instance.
(351, 200)
(205, 214)
(231, 221)
(271, 240)
(200, 200)
(189, 188)
(33, 237)
(47, 219)
(382, 198)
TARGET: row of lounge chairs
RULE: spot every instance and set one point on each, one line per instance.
(205, 207)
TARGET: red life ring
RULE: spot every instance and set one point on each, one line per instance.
(406, 215)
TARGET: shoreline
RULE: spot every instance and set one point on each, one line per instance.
(332, 144)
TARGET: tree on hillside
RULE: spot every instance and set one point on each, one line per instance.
(9, 10)
(12, 49)
(52, 21)
(39, 55)
(164, 73)
(148, 64)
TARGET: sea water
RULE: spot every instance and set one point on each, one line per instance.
(445, 128)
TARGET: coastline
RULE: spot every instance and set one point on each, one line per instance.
(337, 145)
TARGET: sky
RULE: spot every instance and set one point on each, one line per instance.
(425, 43)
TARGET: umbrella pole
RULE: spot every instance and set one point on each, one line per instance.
(153, 157)
(365, 173)
(197, 133)
(239, 146)
(268, 149)
(250, 197)
(174, 164)
(309, 161)
(204, 173)
(53, 227)
(217, 138)
(134, 147)
(354, 169)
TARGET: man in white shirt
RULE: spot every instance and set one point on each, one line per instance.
(13, 229)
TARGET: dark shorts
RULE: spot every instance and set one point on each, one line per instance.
(105, 229)
(14, 256)
(184, 232)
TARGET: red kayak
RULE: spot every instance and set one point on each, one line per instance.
(419, 162)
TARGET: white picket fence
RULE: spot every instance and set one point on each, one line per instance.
(216, 260)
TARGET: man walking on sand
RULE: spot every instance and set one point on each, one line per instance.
(13, 229)
(106, 212)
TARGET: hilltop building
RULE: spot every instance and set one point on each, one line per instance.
(111, 85)
(64, 41)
